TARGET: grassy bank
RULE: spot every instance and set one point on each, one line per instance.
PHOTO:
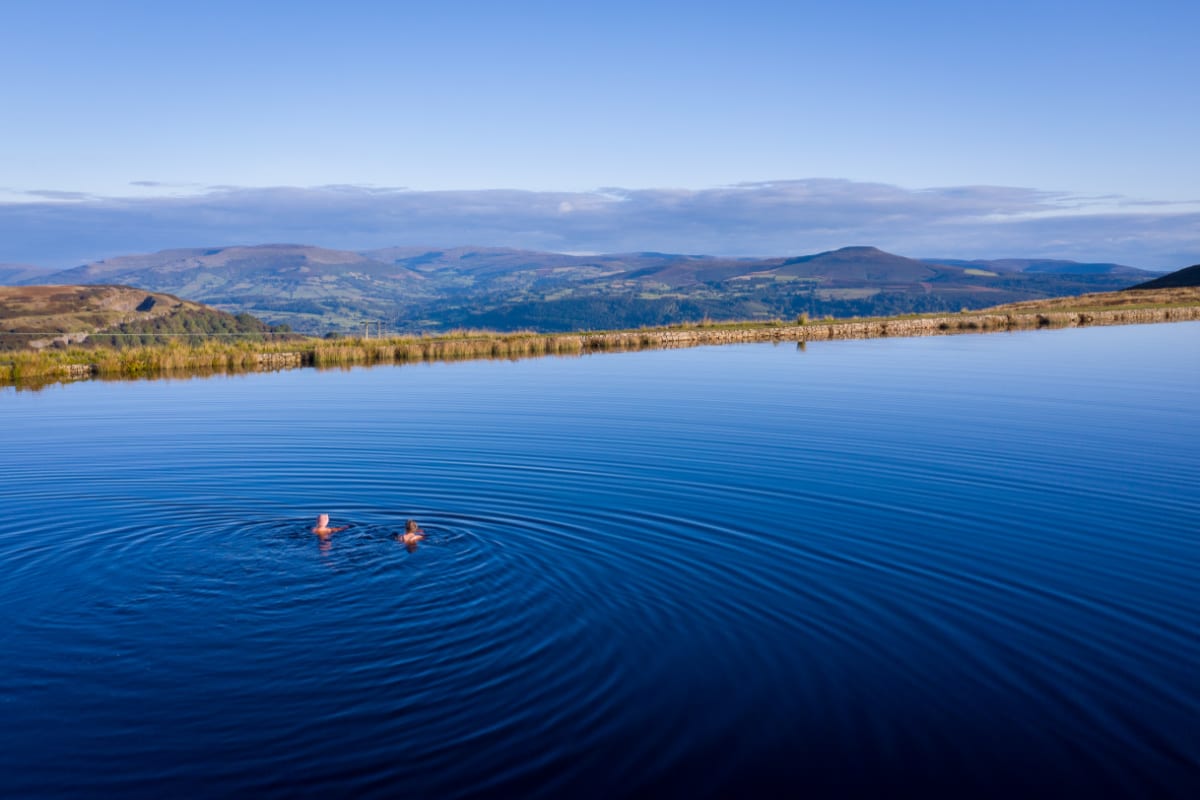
(29, 367)
(217, 355)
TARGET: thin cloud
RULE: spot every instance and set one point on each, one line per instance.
(55, 194)
(789, 217)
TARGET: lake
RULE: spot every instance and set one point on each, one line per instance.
(956, 564)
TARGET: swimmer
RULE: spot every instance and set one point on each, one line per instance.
(412, 533)
(323, 528)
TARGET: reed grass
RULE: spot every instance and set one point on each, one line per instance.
(53, 364)
(31, 368)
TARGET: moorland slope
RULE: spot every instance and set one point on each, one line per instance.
(56, 316)
(1188, 276)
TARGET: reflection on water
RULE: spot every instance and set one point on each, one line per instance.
(857, 568)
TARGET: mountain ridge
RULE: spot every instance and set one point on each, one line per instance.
(415, 288)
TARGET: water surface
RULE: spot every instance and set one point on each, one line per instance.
(862, 568)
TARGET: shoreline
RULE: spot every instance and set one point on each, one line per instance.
(25, 369)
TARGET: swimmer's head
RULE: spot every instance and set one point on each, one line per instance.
(323, 521)
(411, 526)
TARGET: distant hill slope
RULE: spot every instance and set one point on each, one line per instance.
(1052, 266)
(14, 274)
(482, 267)
(40, 316)
(481, 263)
(851, 281)
(292, 280)
(300, 261)
(869, 265)
(1188, 276)
(410, 289)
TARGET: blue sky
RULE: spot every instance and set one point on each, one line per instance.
(124, 113)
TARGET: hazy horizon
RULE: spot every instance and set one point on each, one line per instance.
(749, 220)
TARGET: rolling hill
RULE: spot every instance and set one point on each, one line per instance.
(46, 316)
(311, 285)
(1051, 266)
(1188, 276)
(854, 281)
(411, 289)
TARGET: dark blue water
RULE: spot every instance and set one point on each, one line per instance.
(965, 564)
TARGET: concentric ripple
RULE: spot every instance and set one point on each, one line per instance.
(961, 565)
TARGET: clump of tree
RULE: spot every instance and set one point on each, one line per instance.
(189, 327)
